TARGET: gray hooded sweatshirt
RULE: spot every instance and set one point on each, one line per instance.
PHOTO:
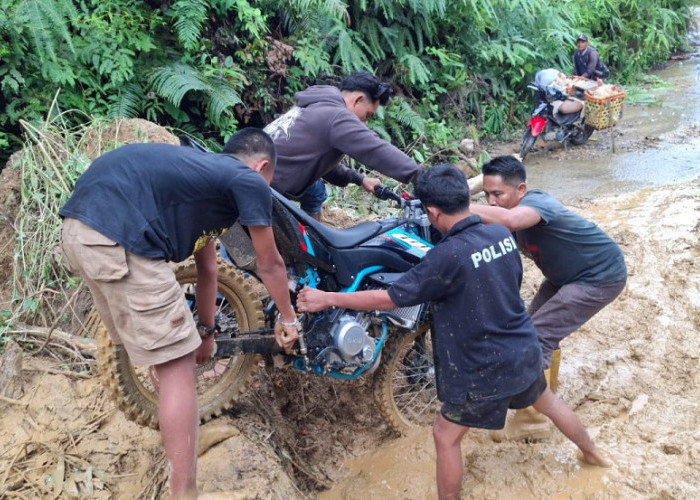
(312, 137)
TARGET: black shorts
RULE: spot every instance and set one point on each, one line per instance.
(491, 413)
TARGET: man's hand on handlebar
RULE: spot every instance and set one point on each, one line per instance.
(369, 183)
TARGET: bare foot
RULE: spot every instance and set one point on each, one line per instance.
(596, 458)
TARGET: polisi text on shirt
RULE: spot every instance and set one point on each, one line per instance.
(494, 251)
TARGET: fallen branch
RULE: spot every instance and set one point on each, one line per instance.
(59, 315)
(67, 373)
(83, 345)
(476, 184)
(12, 401)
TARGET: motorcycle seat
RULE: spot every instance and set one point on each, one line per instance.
(338, 238)
(347, 238)
(566, 119)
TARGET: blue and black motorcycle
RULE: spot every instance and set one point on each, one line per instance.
(394, 347)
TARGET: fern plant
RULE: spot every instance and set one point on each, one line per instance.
(190, 16)
(174, 81)
(47, 24)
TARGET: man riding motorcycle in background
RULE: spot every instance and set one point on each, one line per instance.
(587, 62)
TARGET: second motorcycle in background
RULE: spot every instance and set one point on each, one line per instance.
(559, 113)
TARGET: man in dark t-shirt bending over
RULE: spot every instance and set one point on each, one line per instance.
(138, 207)
(487, 356)
(584, 269)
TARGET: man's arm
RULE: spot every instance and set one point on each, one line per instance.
(273, 274)
(592, 63)
(515, 219)
(349, 135)
(342, 175)
(312, 300)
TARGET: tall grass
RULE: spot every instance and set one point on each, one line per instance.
(54, 156)
(49, 167)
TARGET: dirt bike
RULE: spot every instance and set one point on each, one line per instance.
(567, 128)
(394, 346)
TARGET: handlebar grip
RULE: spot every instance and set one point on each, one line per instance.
(384, 192)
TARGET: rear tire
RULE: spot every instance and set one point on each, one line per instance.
(404, 385)
(220, 381)
(527, 142)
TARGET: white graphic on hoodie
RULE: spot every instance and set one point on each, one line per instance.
(281, 126)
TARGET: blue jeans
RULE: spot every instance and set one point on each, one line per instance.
(312, 199)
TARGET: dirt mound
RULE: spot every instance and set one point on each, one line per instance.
(10, 198)
(125, 131)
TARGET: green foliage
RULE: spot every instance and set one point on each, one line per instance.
(46, 23)
(643, 90)
(205, 66)
(189, 16)
(173, 82)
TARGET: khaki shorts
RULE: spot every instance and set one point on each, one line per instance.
(139, 300)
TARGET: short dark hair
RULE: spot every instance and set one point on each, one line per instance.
(250, 142)
(366, 82)
(508, 167)
(445, 187)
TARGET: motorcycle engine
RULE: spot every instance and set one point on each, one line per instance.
(338, 339)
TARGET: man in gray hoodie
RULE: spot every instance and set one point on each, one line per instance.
(324, 124)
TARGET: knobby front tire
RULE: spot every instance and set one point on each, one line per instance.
(404, 385)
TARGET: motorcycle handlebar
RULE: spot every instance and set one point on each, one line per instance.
(384, 192)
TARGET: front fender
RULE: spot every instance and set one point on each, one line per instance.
(536, 124)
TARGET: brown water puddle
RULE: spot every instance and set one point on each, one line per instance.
(405, 469)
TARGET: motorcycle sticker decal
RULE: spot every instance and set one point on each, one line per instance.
(415, 245)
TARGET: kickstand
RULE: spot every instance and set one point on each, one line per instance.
(612, 128)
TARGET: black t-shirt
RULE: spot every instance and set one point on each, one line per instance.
(162, 201)
(484, 341)
(568, 248)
